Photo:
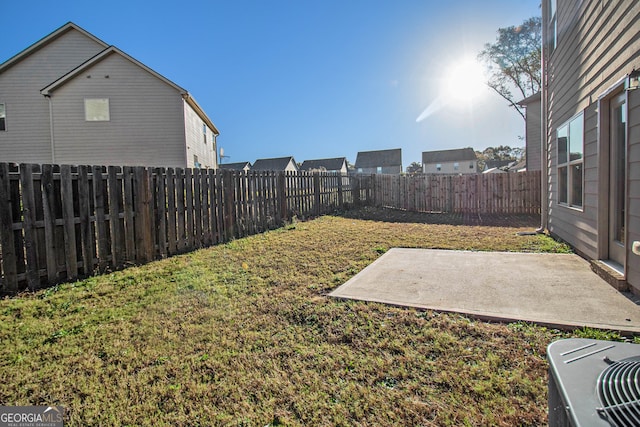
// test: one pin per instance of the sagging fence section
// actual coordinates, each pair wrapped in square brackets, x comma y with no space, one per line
[505,193]
[60,222]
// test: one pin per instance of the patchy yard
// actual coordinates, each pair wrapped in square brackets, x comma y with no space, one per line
[242,334]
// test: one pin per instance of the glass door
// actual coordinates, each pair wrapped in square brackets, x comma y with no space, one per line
[617,178]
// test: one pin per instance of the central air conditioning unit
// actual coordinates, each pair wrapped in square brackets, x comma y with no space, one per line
[593,383]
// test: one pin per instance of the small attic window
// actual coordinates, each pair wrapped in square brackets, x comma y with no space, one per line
[96,109]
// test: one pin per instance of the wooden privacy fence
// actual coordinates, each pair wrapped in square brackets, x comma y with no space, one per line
[506,193]
[59,223]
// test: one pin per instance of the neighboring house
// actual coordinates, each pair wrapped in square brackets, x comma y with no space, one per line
[533,129]
[335,165]
[498,164]
[591,117]
[72,99]
[381,161]
[286,164]
[462,160]
[238,166]
[494,170]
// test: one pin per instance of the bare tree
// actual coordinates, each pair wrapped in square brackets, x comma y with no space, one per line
[514,62]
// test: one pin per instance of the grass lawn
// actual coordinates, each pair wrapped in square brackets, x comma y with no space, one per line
[242,334]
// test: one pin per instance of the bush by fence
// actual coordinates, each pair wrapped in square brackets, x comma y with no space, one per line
[61,222]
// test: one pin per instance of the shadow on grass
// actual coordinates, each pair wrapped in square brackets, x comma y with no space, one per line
[400,216]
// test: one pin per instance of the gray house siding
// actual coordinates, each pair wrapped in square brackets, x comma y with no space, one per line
[380,161]
[598,44]
[146,125]
[457,167]
[27,138]
[533,134]
[198,143]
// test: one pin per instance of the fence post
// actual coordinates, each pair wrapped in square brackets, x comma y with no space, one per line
[229,201]
[49,215]
[355,189]
[144,225]
[316,193]
[282,196]
[6,233]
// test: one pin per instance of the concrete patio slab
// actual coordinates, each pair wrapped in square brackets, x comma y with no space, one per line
[556,290]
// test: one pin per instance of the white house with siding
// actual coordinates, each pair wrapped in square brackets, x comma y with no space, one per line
[72,99]
[457,161]
[591,123]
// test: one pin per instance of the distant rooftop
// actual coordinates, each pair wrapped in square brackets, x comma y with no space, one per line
[442,156]
[275,164]
[328,164]
[372,159]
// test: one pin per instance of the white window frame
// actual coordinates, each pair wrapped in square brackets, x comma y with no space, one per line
[3,116]
[552,25]
[97,110]
[569,165]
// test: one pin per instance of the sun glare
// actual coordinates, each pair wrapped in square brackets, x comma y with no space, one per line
[464,81]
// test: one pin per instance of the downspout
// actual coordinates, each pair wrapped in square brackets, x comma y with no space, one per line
[53,145]
[543,145]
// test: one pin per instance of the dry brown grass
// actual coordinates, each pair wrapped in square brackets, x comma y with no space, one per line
[242,334]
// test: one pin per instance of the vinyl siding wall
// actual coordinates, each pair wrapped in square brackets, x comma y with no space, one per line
[146,126]
[598,45]
[195,140]
[27,138]
[449,167]
[533,136]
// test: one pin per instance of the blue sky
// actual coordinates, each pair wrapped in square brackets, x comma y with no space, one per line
[309,79]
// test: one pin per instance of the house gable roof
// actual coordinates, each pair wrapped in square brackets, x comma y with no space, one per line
[275,164]
[238,166]
[328,164]
[112,50]
[45,41]
[536,97]
[371,159]
[441,156]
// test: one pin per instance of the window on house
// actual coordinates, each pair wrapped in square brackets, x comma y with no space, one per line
[196,163]
[379,169]
[552,26]
[3,117]
[456,166]
[471,165]
[570,137]
[359,170]
[438,167]
[96,109]
[204,132]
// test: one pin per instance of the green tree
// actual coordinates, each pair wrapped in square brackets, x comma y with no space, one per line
[501,152]
[414,168]
[514,62]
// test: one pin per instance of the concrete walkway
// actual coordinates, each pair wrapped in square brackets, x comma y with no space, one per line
[557,290]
